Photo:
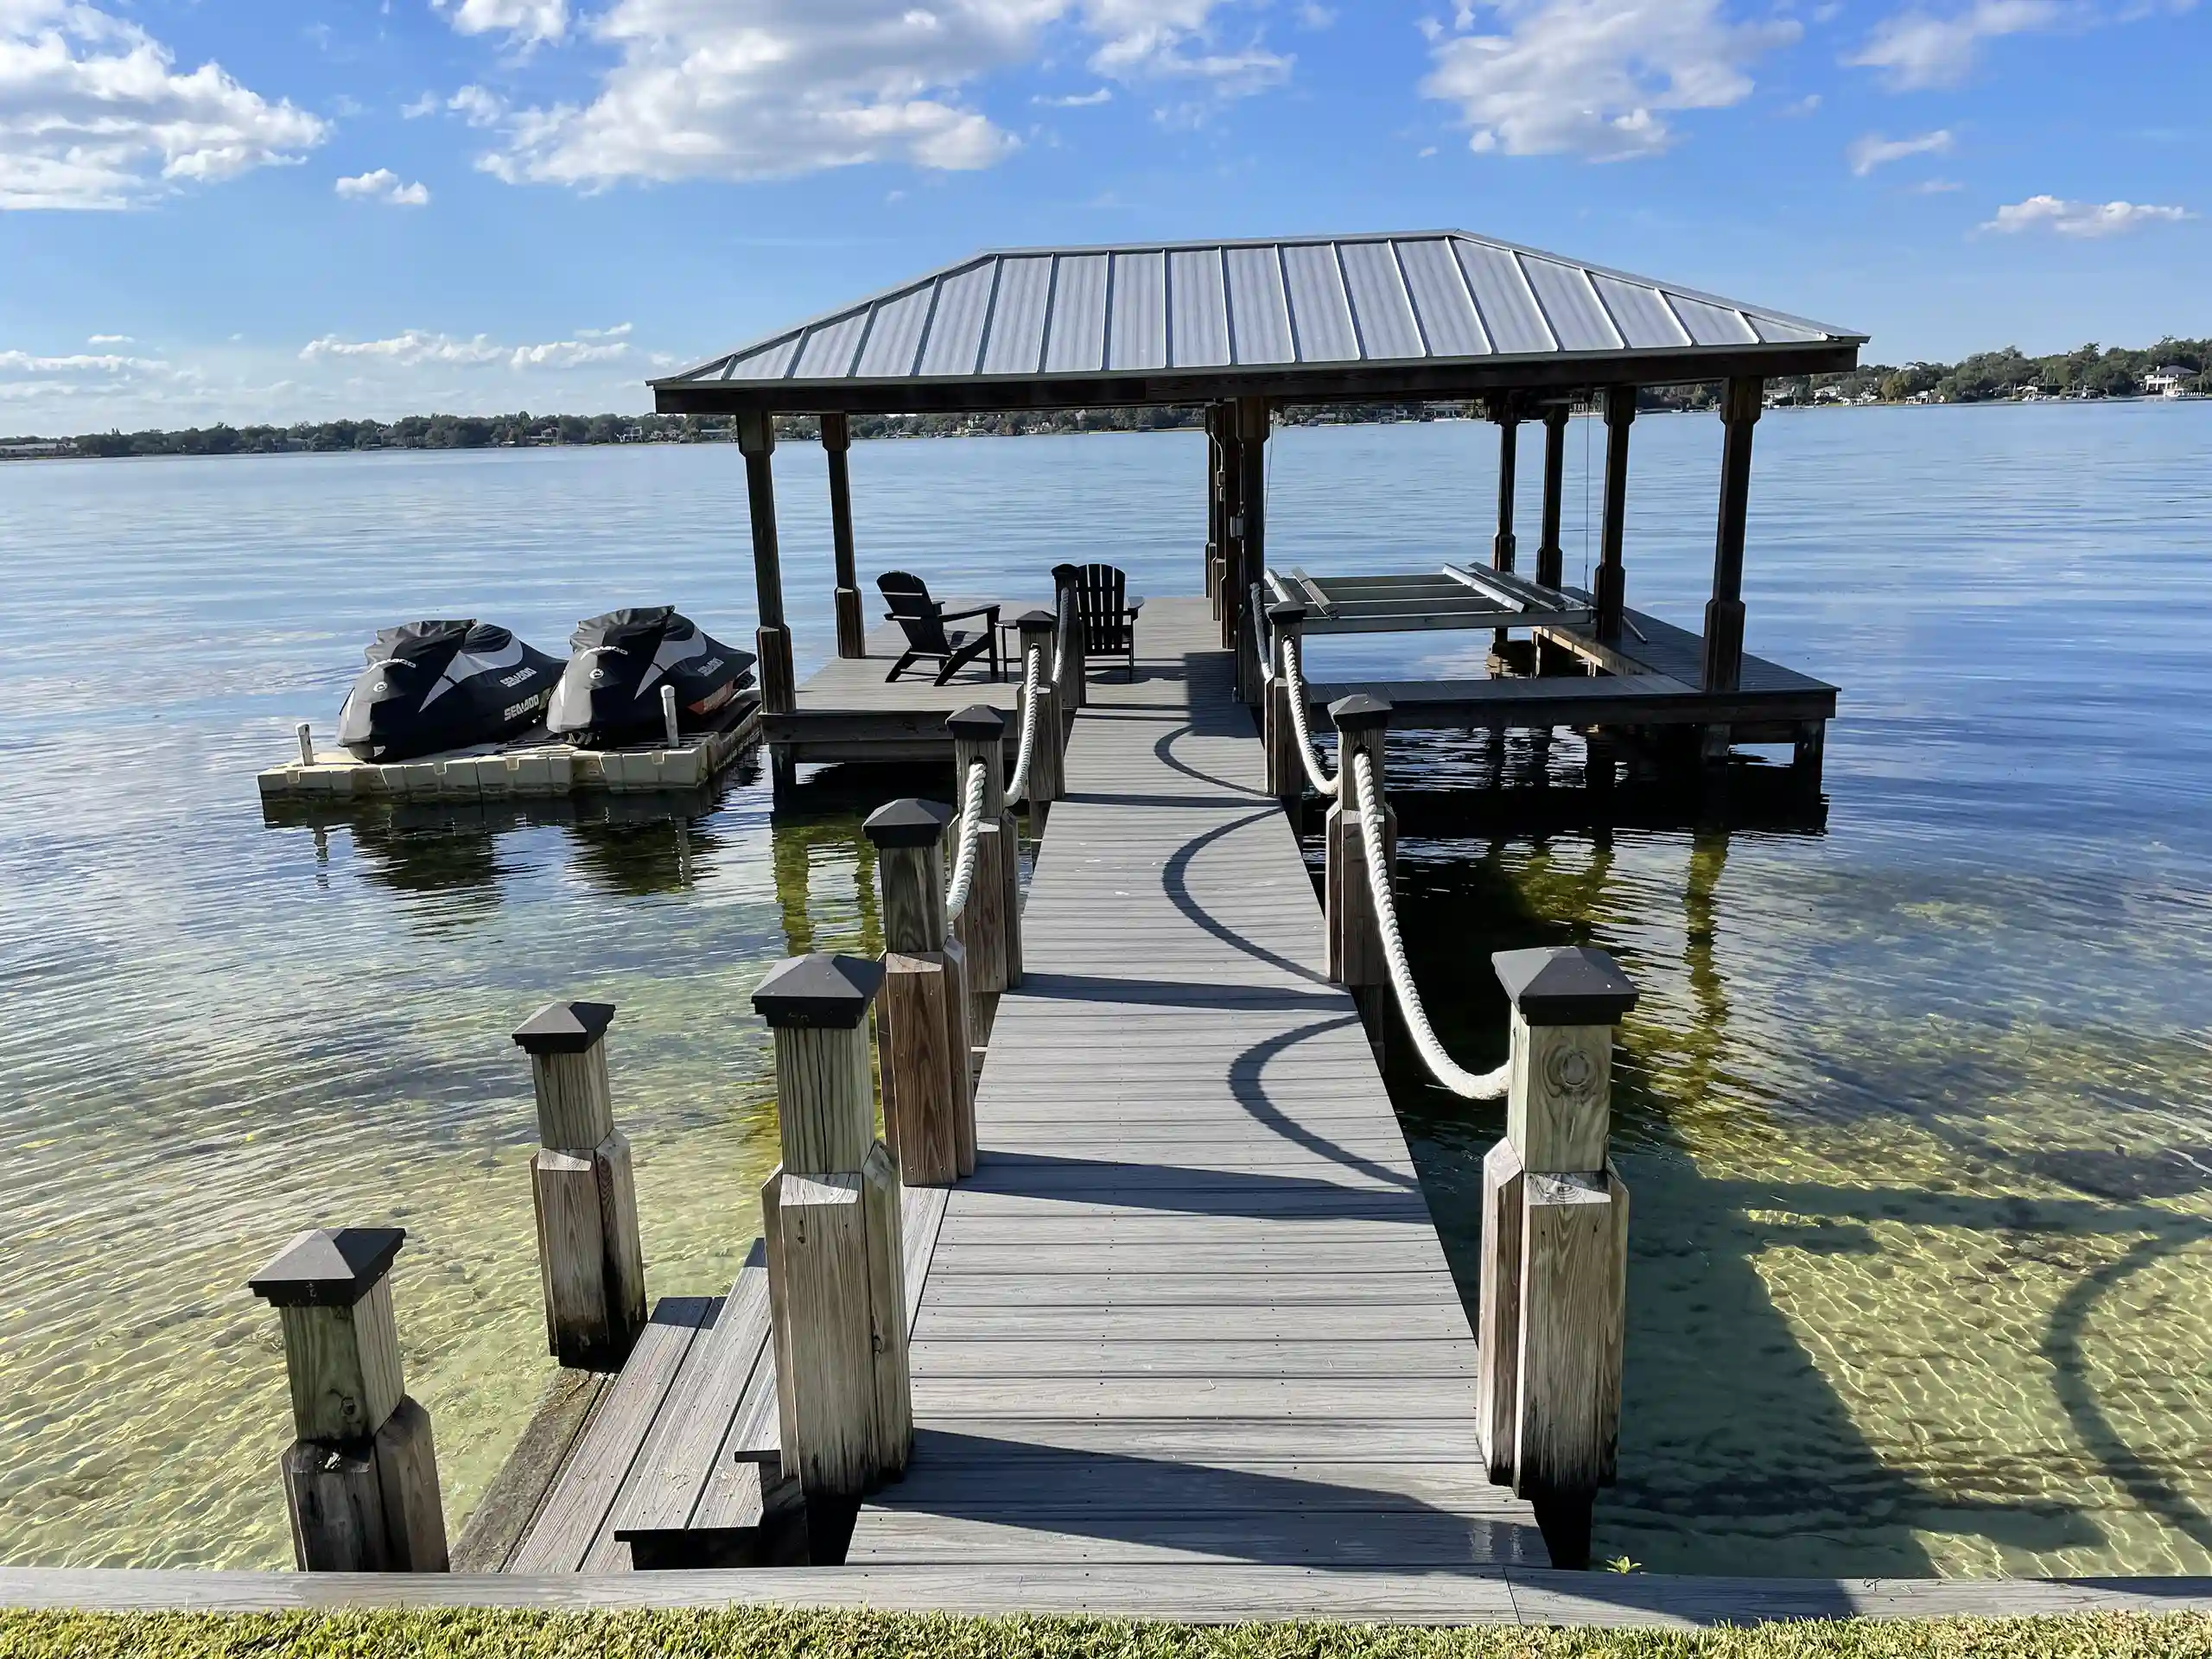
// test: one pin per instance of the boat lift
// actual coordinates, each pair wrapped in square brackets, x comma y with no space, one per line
[1455,596]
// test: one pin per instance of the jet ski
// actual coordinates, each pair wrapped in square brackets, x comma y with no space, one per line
[433,686]
[610,692]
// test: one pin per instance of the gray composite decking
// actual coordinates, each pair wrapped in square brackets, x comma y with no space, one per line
[847,711]
[1191,1312]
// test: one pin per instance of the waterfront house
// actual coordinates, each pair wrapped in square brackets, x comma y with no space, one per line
[2171,381]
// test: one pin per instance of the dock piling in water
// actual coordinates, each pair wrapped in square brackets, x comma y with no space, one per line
[361,1477]
[1555,1247]
[590,1261]
[922,1018]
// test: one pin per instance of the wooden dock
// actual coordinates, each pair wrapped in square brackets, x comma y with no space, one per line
[1191,1312]
[846,711]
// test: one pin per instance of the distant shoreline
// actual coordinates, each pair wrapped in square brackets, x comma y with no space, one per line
[35,449]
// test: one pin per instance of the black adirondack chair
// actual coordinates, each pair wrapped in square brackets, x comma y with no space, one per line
[1105,611]
[928,639]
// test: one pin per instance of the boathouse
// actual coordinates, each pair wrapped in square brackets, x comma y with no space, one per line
[1240,328]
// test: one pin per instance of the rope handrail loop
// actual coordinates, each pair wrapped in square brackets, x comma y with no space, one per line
[1468,1085]
[971,824]
[1017,787]
[1294,675]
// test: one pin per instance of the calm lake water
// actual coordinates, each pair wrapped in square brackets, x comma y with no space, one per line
[1914,1108]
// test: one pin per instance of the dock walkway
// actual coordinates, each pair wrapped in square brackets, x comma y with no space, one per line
[1192,1309]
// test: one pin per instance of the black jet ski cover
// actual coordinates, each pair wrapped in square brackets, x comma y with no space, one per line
[618,663]
[434,686]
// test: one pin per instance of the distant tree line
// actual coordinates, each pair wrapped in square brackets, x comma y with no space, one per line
[2087,371]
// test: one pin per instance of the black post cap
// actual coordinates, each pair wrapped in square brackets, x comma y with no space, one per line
[1565,985]
[818,992]
[329,1267]
[1360,713]
[1036,621]
[1286,610]
[909,823]
[978,722]
[564,1028]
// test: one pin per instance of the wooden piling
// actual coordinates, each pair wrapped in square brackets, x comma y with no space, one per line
[1074,682]
[591,1264]
[1550,559]
[756,439]
[923,1020]
[836,448]
[990,927]
[1356,958]
[1039,629]
[1279,732]
[1611,584]
[832,1213]
[1555,1247]
[361,1479]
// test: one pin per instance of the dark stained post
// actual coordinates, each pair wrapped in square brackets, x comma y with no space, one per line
[1612,578]
[1549,560]
[756,435]
[1724,611]
[1508,419]
[1252,420]
[1232,522]
[1216,519]
[921,1014]
[836,443]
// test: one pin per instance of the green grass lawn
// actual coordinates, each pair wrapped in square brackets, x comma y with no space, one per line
[777,1634]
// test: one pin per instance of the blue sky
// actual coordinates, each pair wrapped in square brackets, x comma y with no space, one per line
[288,209]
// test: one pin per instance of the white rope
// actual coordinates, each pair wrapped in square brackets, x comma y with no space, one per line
[1060,640]
[971,824]
[1489,1085]
[1033,665]
[1295,672]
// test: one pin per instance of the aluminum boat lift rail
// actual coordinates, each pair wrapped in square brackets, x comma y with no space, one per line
[1453,596]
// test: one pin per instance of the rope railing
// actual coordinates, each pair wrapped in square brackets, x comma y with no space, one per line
[971,824]
[1295,676]
[1032,668]
[1468,1085]
[1060,634]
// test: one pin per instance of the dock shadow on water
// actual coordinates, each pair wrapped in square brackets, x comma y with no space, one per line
[1918,1241]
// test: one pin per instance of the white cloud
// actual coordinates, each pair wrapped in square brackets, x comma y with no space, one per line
[2083,218]
[1592,77]
[383,185]
[107,339]
[1873,150]
[94,113]
[81,363]
[780,87]
[1077,100]
[1916,49]
[525,22]
[477,107]
[428,104]
[415,348]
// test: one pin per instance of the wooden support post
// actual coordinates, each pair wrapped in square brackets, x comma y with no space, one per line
[1550,561]
[1356,958]
[589,1258]
[1039,629]
[1286,767]
[1611,594]
[1508,419]
[361,1479]
[1555,1247]
[1724,611]
[1074,682]
[836,448]
[1253,419]
[832,1213]
[922,1020]
[756,437]
[991,925]
[1227,580]
[1216,524]
[1807,755]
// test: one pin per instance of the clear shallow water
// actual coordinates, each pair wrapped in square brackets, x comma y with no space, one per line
[1912,1109]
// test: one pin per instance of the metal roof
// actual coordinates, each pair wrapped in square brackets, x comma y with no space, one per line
[1342,316]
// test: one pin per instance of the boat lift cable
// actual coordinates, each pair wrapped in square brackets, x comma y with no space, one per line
[1295,672]
[1468,1085]
[1032,667]
[971,824]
